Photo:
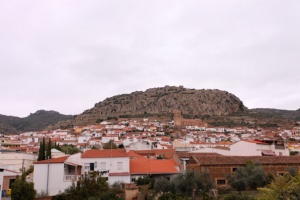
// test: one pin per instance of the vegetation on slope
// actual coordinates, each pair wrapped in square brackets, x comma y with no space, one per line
[34,122]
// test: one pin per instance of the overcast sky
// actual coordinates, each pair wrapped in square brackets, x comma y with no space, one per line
[68,55]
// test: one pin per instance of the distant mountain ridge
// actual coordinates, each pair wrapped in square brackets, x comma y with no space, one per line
[192,103]
[288,114]
[34,122]
[161,101]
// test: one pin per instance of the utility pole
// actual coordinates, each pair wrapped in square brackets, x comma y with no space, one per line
[47,177]
[22,166]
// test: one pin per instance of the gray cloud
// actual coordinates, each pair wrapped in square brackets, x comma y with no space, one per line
[69,55]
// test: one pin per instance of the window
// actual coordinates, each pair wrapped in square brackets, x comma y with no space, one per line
[281,173]
[234,169]
[86,166]
[103,166]
[92,166]
[133,180]
[89,166]
[221,181]
[119,165]
[11,181]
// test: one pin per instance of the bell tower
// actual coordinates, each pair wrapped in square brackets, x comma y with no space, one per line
[177,118]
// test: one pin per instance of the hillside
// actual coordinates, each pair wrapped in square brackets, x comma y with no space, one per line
[288,114]
[6,129]
[161,102]
[34,122]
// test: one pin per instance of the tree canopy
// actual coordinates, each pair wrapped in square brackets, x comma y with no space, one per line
[22,190]
[248,178]
[286,187]
[110,145]
[189,183]
[89,185]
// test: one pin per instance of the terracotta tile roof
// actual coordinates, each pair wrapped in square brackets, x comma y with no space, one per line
[240,160]
[150,166]
[107,153]
[255,141]
[167,153]
[73,164]
[186,154]
[134,155]
[54,160]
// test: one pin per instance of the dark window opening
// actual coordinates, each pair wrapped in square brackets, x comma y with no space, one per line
[92,166]
[11,181]
[221,182]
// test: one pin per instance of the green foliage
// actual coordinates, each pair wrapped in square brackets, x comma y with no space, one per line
[284,187]
[161,184]
[293,153]
[29,170]
[293,171]
[99,120]
[110,118]
[22,190]
[280,188]
[48,150]
[110,145]
[192,181]
[144,180]
[43,193]
[56,146]
[249,177]
[69,149]
[185,184]
[110,195]
[45,151]
[170,196]
[34,122]
[42,149]
[89,185]
[238,196]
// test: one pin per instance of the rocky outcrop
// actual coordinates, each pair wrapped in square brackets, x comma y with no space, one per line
[162,101]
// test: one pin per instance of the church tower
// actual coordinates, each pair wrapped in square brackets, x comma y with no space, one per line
[177,118]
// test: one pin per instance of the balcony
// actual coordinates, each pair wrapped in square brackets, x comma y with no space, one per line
[69,178]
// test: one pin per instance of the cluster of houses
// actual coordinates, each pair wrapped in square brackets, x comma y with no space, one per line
[145,147]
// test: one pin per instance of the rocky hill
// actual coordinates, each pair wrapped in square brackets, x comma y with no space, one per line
[161,102]
[34,122]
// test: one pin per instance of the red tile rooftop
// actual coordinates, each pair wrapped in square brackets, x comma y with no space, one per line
[167,153]
[53,160]
[106,153]
[241,160]
[255,141]
[150,166]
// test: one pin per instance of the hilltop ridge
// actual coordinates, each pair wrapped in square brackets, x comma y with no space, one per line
[216,107]
[34,122]
[161,101]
